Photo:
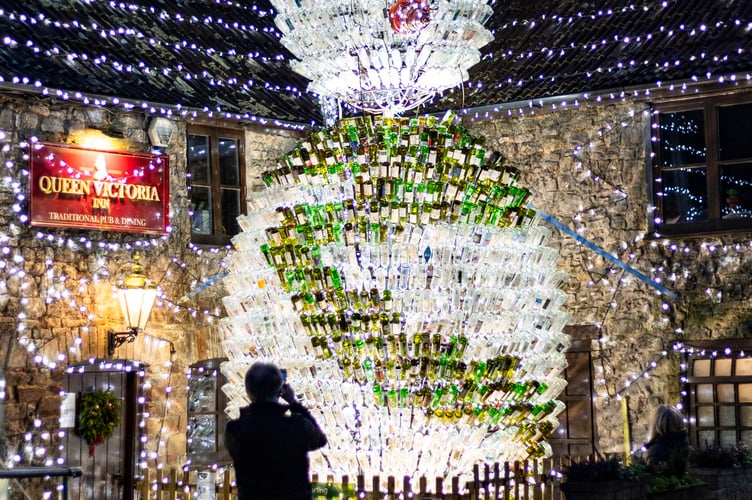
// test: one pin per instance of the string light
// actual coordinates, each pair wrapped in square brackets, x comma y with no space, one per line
[62,289]
[57,286]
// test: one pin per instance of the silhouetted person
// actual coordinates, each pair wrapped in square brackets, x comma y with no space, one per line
[668,435]
[269,443]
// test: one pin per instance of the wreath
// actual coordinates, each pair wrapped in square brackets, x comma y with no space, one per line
[98,418]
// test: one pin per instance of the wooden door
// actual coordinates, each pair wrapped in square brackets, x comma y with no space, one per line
[110,474]
[575,436]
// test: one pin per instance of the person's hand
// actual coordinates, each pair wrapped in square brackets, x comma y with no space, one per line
[287,394]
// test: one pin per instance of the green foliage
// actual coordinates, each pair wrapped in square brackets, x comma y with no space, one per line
[603,470]
[719,457]
[661,483]
[671,474]
[98,417]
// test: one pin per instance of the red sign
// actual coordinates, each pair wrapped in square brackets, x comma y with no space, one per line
[107,190]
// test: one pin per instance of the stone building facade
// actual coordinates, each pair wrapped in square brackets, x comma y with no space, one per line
[57,286]
[587,166]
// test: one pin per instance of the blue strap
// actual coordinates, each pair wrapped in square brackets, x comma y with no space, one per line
[631,270]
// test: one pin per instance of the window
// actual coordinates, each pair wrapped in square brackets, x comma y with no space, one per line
[206,416]
[720,394]
[703,167]
[216,179]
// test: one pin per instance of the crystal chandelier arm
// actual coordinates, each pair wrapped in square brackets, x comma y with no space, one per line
[351,51]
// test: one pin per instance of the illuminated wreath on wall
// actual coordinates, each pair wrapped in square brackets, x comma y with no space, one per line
[98,418]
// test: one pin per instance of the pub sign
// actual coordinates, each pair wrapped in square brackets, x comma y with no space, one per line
[92,189]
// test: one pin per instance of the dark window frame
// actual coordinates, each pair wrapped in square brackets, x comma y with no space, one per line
[737,349]
[208,369]
[710,105]
[218,237]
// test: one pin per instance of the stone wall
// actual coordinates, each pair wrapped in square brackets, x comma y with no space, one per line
[726,484]
[57,298]
[588,168]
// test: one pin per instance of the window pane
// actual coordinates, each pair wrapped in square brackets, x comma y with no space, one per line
[701,368]
[745,393]
[201,206]
[745,416]
[201,395]
[727,416]
[728,439]
[229,164]
[736,191]
[201,434]
[744,366]
[682,138]
[706,438]
[746,437]
[685,195]
[198,159]
[704,393]
[725,393]
[723,367]
[734,133]
[230,211]
[705,416]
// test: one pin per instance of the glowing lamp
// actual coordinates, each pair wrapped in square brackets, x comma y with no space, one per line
[137,295]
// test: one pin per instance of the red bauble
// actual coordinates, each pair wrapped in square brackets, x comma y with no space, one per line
[409,16]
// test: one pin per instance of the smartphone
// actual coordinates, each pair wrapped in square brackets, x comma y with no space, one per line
[284,374]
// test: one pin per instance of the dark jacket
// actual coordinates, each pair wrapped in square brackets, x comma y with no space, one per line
[269,449]
[661,447]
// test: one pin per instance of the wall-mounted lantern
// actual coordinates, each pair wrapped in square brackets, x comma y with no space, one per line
[137,295]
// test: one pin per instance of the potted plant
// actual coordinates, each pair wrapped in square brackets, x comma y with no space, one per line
[726,470]
[607,479]
[671,479]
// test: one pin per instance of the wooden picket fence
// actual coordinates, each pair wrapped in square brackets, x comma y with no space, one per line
[519,480]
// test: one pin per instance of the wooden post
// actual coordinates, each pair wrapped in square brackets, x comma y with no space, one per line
[475,486]
[345,484]
[172,486]
[226,485]
[361,480]
[627,430]
[496,478]
[145,485]
[506,480]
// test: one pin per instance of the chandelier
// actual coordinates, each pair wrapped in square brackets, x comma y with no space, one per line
[383,56]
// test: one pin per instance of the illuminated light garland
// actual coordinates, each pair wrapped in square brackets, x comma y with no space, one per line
[615,40]
[158,13]
[564,104]
[588,17]
[151,15]
[61,288]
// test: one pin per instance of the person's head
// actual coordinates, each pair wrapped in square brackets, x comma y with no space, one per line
[666,420]
[263,382]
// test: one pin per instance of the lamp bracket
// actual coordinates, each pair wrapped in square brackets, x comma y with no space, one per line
[116,339]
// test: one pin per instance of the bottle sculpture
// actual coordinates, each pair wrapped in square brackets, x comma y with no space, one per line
[392,267]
